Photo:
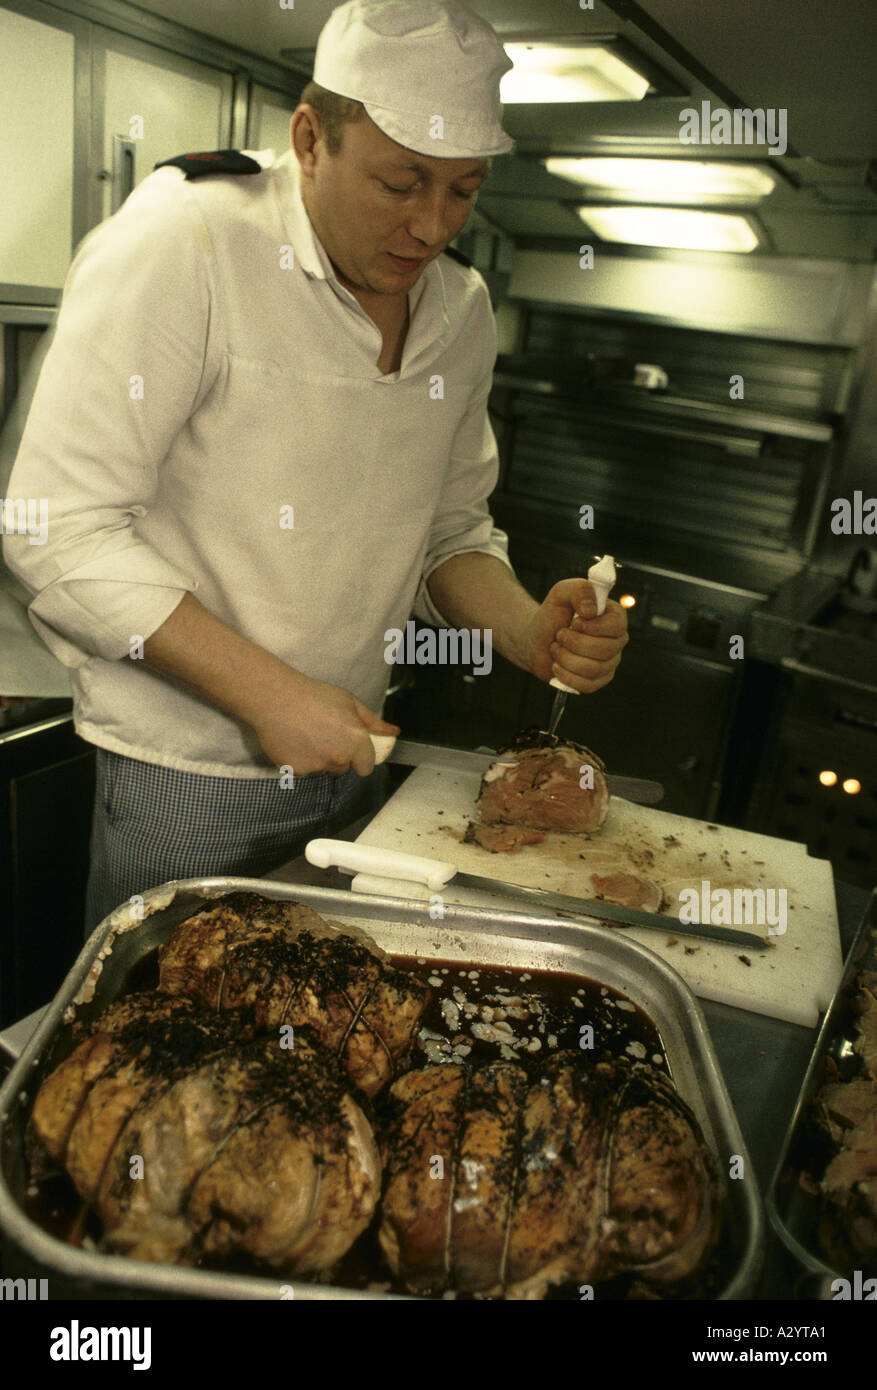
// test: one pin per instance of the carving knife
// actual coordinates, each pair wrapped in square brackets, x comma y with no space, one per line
[602,576]
[411,753]
[373,864]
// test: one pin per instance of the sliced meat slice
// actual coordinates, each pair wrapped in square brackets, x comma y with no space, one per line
[65,1090]
[63,1093]
[420,1163]
[857,1160]
[555,1226]
[628,890]
[866,1027]
[485,1177]
[851,1103]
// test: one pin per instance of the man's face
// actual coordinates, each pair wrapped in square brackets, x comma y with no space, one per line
[381,211]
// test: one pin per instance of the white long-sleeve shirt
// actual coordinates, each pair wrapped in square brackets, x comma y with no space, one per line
[210,418]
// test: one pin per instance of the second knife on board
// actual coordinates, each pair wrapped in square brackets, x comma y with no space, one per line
[437,874]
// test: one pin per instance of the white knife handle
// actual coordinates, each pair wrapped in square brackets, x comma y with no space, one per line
[386,863]
[602,577]
[383,746]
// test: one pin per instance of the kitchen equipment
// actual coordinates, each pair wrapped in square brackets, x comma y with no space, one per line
[411,753]
[373,866]
[823,727]
[794,1213]
[794,980]
[602,576]
[466,934]
[713,503]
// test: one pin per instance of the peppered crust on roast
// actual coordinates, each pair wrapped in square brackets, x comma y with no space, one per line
[565,1174]
[291,967]
[258,1149]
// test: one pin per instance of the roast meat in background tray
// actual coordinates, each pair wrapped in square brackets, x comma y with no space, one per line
[192,1132]
[824,1198]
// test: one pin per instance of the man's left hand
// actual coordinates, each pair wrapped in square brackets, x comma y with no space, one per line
[568,640]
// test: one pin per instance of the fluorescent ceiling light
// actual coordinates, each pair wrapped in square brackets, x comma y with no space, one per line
[568,72]
[682,229]
[667,178]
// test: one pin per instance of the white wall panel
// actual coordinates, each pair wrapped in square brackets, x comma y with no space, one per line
[36,151]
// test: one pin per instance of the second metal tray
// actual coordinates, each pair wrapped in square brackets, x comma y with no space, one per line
[794,1213]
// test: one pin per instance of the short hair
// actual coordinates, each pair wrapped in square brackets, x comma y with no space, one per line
[334,112]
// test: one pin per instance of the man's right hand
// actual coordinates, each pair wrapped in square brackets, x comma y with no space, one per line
[301,723]
[312,726]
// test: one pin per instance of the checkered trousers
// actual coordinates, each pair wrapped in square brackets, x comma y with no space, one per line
[151,824]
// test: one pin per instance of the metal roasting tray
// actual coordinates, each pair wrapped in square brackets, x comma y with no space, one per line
[401,927]
[793,1212]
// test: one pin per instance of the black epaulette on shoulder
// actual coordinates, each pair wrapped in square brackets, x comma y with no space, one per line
[195,166]
[456,255]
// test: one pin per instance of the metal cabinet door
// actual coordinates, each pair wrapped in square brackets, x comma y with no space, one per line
[36,108]
[150,105]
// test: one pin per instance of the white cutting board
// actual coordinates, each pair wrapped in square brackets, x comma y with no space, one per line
[794,980]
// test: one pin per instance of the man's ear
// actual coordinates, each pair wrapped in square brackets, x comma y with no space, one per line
[305,134]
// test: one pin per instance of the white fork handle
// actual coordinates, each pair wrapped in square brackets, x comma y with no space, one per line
[601,593]
[385,863]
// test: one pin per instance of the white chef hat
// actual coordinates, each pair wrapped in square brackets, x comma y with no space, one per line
[426,71]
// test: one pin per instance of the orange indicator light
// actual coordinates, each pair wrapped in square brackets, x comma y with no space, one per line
[627,601]
[851,786]
[828,779]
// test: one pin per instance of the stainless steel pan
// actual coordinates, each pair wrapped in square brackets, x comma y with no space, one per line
[488,937]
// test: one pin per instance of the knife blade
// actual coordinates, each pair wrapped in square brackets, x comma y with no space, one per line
[411,753]
[438,874]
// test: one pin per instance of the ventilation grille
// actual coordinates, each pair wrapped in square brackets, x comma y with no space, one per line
[568,456]
[794,379]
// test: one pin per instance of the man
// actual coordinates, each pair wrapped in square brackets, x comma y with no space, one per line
[270,388]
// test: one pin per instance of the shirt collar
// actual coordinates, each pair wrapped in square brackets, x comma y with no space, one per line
[309,253]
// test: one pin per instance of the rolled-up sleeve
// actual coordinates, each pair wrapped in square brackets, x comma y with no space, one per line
[128,365]
[462,522]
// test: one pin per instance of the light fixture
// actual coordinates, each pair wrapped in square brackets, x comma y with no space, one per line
[667,180]
[828,779]
[682,229]
[627,601]
[852,786]
[552,72]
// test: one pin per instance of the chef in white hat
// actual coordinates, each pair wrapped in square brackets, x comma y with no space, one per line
[394,137]
[261,429]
